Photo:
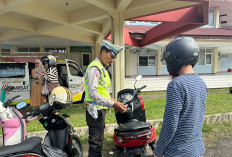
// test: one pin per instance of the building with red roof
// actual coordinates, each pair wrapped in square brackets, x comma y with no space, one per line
[214,39]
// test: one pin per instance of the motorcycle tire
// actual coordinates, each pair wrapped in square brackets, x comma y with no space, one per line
[77,148]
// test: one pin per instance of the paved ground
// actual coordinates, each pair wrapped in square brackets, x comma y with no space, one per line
[223,148]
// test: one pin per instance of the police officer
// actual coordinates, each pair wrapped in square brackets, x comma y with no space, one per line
[181,133]
[97,82]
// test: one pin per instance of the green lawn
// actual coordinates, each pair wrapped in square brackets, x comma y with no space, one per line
[216,103]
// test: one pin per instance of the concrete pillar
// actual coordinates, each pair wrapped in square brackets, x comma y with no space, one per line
[14,49]
[42,49]
[119,63]
[215,60]
[217,20]
[1,51]
[159,63]
[68,53]
[96,50]
[127,62]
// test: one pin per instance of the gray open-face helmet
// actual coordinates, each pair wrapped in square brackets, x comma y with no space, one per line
[50,60]
[179,52]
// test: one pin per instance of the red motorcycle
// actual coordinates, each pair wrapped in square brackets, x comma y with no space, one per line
[134,137]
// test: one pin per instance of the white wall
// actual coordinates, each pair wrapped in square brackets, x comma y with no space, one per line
[159,83]
[133,64]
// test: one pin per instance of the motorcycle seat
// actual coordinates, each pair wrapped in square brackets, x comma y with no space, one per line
[132,126]
[30,145]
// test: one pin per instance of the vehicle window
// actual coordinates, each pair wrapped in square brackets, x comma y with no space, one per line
[73,70]
[62,70]
[11,70]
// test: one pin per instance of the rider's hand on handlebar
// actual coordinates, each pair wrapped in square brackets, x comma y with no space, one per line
[120,107]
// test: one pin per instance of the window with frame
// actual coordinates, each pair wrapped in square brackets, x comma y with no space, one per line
[5,50]
[211,19]
[85,59]
[55,50]
[73,70]
[205,57]
[23,49]
[223,55]
[146,60]
[16,70]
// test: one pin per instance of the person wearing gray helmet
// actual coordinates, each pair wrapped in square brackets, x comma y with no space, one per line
[181,133]
[51,75]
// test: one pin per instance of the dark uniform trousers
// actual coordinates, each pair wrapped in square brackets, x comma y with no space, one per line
[96,133]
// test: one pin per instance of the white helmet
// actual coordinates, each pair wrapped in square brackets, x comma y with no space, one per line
[52,60]
[60,97]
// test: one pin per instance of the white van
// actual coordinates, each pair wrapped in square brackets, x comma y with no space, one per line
[18,75]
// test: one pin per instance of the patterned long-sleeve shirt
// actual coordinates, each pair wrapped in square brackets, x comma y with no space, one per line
[51,75]
[181,133]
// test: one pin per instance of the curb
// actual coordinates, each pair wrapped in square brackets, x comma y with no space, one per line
[83,131]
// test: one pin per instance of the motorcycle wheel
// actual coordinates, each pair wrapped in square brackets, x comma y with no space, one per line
[77,148]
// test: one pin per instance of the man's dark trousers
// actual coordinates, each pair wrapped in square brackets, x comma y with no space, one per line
[96,133]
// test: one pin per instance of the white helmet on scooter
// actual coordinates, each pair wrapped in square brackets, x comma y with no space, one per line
[60,97]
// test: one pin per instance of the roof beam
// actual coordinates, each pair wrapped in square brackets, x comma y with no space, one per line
[138,4]
[12,5]
[106,27]
[164,30]
[187,15]
[69,34]
[44,11]
[46,26]
[107,5]
[154,8]
[121,5]
[17,23]
[2,2]
[91,27]
[87,14]
[12,34]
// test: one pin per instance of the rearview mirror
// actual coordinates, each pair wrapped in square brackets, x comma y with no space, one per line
[21,105]
[139,77]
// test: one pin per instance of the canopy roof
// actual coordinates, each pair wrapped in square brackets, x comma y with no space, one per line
[89,21]
[171,23]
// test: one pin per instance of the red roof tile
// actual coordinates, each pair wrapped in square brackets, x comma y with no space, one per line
[209,32]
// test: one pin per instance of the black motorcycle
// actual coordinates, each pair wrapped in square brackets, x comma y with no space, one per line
[60,132]
[134,137]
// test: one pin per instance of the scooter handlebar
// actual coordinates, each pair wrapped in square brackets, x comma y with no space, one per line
[139,89]
[33,113]
[10,100]
[136,91]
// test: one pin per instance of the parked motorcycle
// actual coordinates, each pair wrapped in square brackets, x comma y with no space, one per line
[134,137]
[13,125]
[60,132]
